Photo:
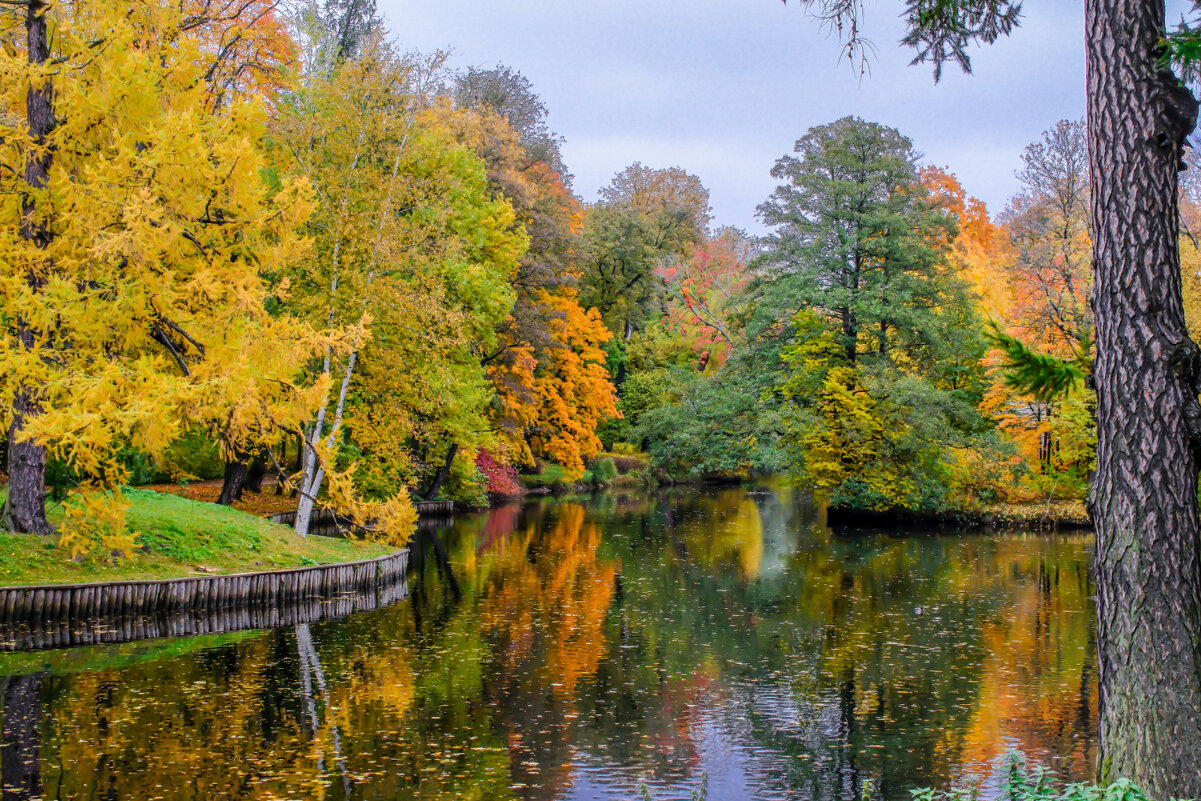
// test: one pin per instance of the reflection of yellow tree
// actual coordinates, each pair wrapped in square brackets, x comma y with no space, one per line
[1014,669]
[729,533]
[1037,685]
[229,725]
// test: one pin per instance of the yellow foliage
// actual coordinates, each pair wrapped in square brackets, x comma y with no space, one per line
[147,298]
[94,524]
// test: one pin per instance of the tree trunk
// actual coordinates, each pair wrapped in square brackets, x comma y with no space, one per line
[1144,499]
[314,472]
[235,479]
[20,738]
[443,472]
[620,378]
[255,476]
[25,509]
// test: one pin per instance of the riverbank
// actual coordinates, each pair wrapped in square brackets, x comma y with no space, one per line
[1037,516]
[178,537]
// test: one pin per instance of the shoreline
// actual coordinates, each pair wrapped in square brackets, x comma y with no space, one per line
[1062,516]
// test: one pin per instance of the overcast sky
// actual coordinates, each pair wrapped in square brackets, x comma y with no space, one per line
[723,88]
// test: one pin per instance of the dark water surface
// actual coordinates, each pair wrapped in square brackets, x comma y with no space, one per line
[587,646]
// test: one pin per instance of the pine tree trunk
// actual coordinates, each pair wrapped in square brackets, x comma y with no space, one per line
[25,509]
[1144,500]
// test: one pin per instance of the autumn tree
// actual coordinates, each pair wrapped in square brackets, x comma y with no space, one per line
[133,252]
[505,91]
[547,368]
[1144,496]
[703,290]
[246,46]
[1048,225]
[646,219]
[413,258]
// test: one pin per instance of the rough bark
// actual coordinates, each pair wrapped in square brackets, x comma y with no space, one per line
[20,763]
[25,509]
[1144,500]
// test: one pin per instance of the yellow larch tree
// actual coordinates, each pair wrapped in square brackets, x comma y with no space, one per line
[135,233]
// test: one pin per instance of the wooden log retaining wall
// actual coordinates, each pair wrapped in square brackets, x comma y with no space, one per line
[52,616]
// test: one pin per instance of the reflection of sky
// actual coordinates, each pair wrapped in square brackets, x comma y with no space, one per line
[778,514]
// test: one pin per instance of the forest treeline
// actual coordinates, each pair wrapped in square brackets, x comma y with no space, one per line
[241,237]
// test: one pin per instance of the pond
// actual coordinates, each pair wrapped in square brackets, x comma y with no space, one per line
[578,648]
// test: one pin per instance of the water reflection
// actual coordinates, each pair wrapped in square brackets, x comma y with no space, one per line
[573,649]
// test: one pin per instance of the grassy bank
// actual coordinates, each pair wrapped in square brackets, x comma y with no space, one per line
[177,537]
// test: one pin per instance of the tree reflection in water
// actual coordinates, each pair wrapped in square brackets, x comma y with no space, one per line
[588,645]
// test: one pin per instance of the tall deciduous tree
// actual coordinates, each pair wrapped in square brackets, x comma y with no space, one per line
[548,368]
[505,91]
[1048,225]
[646,219]
[1147,373]
[413,257]
[134,236]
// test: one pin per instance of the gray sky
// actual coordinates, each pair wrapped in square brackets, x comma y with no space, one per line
[723,88]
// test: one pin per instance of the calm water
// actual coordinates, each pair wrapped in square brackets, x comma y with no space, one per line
[585,647]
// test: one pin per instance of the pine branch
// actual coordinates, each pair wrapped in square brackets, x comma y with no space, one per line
[1045,377]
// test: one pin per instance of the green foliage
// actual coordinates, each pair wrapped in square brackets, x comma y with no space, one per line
[646,218]
[1044,377]
[878,340]
[550,476]
[466,484]
[192,457]
[1024,782]
[726,424]
[940,31]
[604,471]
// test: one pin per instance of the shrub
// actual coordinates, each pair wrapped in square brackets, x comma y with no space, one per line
[500,480]
[549,475]
[192,457]
[1024,782]
[604,471]
[629,464]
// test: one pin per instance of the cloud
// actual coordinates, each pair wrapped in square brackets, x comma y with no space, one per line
[723,88]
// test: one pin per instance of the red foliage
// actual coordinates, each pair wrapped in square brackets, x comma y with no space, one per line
[501,478]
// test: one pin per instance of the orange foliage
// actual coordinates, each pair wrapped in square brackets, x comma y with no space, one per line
[704,286]
[549,373]
[248,43]
[574,389]
[981,249]
[569,586]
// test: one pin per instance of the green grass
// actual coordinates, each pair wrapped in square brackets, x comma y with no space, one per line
[552,476]
[177,537]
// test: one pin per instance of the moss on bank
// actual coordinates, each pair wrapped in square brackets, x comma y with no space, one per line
[177,537]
